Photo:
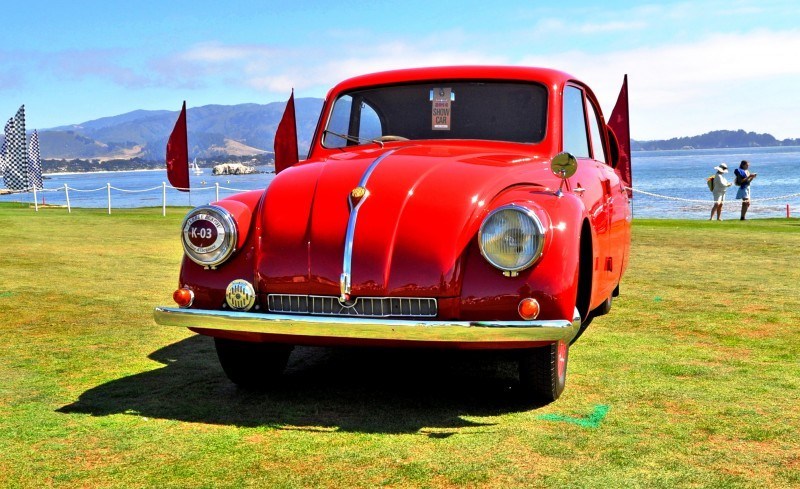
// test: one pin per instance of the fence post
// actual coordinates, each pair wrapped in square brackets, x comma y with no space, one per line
[163,199]
[216,184]
[787,211]
[108,188]
[66,193]
[36,201]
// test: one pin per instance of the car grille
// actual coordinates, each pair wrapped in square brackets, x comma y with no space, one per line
[371,307]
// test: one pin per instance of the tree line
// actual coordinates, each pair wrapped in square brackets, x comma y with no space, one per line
[715,140]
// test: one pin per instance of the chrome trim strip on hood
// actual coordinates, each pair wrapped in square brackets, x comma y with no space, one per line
[345,277]
[303,326]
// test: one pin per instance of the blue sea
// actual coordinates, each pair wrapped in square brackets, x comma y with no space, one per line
[140,188]
[676,177]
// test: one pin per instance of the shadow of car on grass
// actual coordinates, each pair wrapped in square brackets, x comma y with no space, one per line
[349,389]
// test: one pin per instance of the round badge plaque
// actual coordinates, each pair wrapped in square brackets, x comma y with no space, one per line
[204,233]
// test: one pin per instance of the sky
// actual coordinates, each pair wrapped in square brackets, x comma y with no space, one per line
[692,67]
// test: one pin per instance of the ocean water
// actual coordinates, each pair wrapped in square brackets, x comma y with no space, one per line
[142,188]
[677,177]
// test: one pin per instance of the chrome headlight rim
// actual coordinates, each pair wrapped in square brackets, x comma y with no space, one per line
[540,229]
[222,248]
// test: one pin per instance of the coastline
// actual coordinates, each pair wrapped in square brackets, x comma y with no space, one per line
[102,171]
[706,151]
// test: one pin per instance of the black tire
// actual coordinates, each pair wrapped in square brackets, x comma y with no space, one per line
[543,372]
[252,365]
[603,308]
[600,310]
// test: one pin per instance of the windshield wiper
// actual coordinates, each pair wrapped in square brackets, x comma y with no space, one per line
[353,139]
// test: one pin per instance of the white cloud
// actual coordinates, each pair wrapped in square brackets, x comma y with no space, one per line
[606,27]
[696,87]
[220,53]
[275,84]
[721,81]
[267,68]
[551,26]
[396,56]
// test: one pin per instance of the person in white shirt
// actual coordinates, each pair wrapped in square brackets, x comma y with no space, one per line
[721,185]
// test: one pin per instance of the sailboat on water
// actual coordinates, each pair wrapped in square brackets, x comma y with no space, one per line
[196,169]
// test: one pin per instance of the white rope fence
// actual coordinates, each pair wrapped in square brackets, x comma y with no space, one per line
[108,188]
[217,187]
[708,201]
[699,201]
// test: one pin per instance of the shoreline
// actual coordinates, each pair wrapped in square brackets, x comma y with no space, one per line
[747,149]
[102,171]
[50,174]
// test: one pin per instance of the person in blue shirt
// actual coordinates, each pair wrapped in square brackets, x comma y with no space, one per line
[743,180]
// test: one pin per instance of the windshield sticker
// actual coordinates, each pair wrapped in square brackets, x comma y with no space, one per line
[441,109]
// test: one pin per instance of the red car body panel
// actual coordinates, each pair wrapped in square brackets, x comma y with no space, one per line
[416,233]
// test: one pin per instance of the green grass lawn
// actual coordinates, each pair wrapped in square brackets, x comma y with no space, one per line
[693,380]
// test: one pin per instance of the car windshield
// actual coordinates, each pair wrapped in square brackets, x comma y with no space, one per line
[497,111]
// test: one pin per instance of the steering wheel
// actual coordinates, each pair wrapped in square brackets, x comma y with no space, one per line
[390,137]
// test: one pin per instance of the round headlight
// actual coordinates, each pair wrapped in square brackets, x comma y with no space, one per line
[209,235]
[511,238]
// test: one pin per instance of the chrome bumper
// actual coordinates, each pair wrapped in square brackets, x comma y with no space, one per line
[350,328]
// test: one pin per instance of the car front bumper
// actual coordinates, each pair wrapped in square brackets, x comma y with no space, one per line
[353,329]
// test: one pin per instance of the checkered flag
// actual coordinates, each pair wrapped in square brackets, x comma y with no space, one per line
[3,156]
[4,148]
[16,160]
[34,162]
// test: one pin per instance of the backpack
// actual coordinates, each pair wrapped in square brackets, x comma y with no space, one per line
[739,177]
[710,183]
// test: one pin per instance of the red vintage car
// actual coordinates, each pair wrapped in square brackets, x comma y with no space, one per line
[453,207]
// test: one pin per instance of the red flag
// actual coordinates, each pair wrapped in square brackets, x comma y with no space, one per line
[285,144]
[619,122]
[178,154]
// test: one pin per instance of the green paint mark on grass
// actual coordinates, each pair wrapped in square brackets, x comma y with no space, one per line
[6,294]
[591,421]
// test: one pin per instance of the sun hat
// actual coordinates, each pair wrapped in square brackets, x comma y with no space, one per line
[722,168]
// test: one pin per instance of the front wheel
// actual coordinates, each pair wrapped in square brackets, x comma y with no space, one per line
[252,365]
[543,372]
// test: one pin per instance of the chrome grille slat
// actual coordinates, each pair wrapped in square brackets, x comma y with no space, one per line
[373,307]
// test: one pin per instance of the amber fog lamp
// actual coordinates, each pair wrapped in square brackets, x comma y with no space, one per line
[183,297]
[209,235]
[528,309]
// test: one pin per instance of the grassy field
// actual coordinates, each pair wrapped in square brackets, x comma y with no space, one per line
[693,380]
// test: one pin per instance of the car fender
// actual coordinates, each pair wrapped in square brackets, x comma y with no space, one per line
[552,280]
[209,284]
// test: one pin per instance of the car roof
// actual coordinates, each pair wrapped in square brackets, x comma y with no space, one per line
[546,76]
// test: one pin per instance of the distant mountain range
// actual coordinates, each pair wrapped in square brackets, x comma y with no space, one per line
[217,131]
[213,130]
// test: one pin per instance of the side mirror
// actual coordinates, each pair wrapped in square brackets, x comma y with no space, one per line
[613,146]
[563,165]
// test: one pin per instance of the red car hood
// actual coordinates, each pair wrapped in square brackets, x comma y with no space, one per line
[425,203]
